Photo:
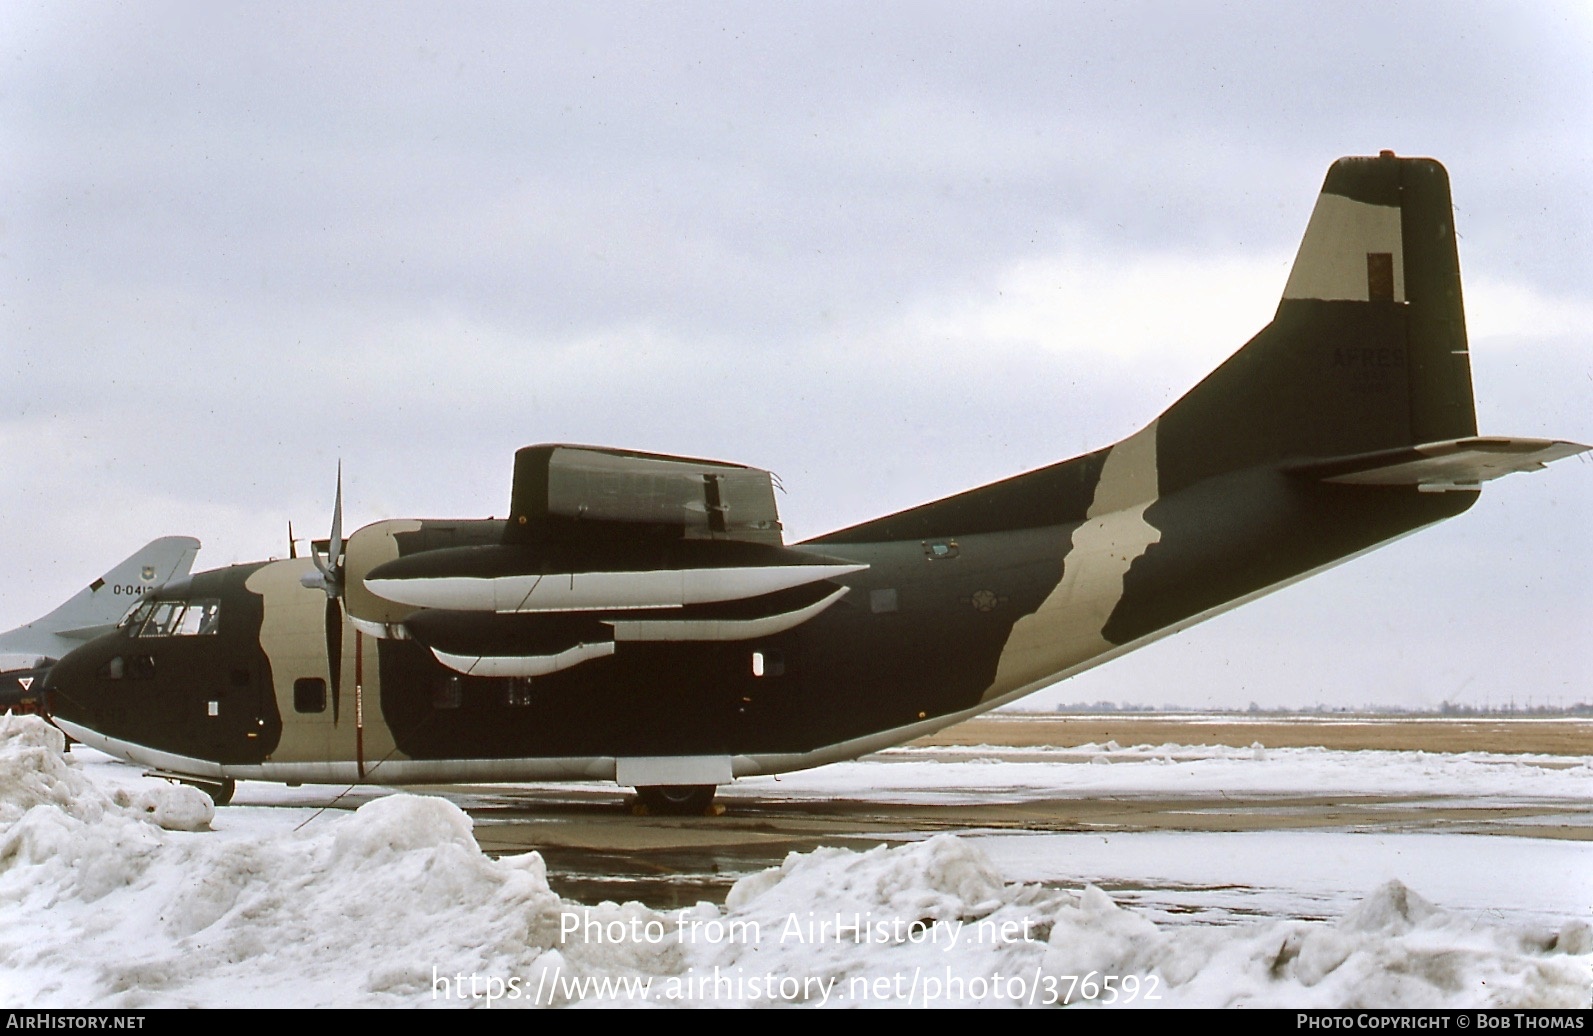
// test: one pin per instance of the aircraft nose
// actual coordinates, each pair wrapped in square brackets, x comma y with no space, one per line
[68,694]
[47,692]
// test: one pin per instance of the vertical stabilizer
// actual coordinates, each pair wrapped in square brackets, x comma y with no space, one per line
[1367,350]
[101,604]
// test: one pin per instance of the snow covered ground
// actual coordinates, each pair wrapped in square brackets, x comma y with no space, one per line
[118,891]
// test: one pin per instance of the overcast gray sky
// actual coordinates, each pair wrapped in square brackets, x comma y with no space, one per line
[888,251]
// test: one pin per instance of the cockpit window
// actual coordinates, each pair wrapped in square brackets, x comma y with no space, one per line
[196,618]
[134,619]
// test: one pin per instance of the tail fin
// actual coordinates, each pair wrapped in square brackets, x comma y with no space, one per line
[1363,377]
[1367,352]
[97,607]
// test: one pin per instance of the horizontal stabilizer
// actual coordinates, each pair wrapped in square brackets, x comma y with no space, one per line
[1435,467]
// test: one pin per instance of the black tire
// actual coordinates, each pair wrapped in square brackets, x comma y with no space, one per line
[220,794]
[677,800]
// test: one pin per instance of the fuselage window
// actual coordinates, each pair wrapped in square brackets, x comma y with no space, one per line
[517,690]
[940,550]
[309,694]
[447,693]
[197,618]
[133,667]
[768,663]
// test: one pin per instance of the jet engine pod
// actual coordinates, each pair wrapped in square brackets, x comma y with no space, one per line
[487,644]
[611,575]
[536,644]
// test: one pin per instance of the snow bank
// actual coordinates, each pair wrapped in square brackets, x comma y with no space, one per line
[1392,950]
[102,904]
[35,771]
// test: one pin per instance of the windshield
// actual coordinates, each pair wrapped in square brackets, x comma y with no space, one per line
[196,618]
[136,616]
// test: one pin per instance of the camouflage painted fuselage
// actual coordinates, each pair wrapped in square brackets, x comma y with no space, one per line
[919,641]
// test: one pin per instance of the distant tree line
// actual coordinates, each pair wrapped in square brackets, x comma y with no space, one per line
[1448,708]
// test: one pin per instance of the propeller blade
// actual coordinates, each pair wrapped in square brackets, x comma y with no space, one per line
[331,568]
[334,653]
[293,549]
[331,564]
[336,546]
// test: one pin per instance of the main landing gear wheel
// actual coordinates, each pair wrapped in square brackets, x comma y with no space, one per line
[220,793]
[676,800]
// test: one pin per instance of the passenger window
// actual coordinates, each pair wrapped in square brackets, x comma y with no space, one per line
[940,550]
[768,663]
[309,694]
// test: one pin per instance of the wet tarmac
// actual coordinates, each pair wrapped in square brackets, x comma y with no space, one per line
[597,847]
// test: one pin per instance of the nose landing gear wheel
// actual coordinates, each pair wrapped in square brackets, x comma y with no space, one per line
[676,800]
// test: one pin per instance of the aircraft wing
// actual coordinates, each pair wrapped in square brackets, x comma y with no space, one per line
[601,547]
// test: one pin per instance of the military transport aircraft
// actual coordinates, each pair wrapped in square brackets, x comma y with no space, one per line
[28,652]
[639,618]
